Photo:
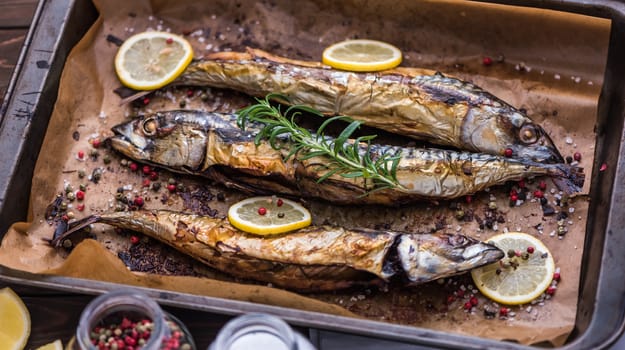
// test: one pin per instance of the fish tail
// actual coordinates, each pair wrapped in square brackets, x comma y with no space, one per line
[75,226]
[568,179]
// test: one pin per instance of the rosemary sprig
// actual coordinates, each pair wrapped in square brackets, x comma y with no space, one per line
[345,155]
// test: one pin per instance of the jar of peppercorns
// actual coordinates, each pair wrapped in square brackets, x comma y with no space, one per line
[129,320]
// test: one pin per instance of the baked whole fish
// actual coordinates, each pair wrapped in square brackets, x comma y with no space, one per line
[212,145]
[413,102]
[315,258]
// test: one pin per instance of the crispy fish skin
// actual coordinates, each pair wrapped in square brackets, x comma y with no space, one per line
[413,102]
[312,259]
[212,145]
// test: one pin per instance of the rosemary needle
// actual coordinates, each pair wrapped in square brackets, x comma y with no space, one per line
[350,158]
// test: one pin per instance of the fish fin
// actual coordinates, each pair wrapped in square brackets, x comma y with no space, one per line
[571,180]
[256,53]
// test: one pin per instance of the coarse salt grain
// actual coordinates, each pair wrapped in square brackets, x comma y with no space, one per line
[556,76]
[568,140]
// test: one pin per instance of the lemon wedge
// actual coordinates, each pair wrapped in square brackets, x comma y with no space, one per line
[55,345]
[362,55]
[151,60]
[15,321]
[268,215]
[522,275]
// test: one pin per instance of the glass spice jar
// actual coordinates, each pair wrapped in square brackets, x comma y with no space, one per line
[129,320]
[259,331]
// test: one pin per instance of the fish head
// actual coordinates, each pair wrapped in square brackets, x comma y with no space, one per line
[426,257]
[495,128]
[166,139]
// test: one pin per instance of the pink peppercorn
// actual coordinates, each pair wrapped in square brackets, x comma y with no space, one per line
[80,195]
[171,188]
[81,154]
[450,299]
[468,199]
[530,249]
[80,207]
[460,293]
[139,201]
[521,183]
[538,194]
[153,175]
[169,40]
[133,167]
[542,185]
[514,198]
[134,240]
[146,100]
[146,169]
[556,276]
[130,340]
[507,152]
[577,156]
[96,143]
[262,211]
[279,202]
[487,61]
[146,183]
[473,301]
[551,290]
[503,311]
[468,305]
[189,93]
[603,167]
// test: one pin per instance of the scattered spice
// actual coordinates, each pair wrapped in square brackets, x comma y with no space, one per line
[80,207]
[262,211]
[81,154]
[80,195]
[96,143]
[538,194]
[507,152]
[146,170]
[133,166]
[530,250]
[139,201]
[487,61]
[171,188]
[134,239]
[503,311]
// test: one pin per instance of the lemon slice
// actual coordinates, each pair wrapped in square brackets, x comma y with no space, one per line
[268,215]
[55,345]
[151,60]
[516,279]
[15,320]
[362,55]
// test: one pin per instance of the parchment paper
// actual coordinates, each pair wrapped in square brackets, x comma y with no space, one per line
[549,63]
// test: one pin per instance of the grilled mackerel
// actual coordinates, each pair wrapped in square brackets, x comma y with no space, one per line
[213,146]
[417,103]
[311,259]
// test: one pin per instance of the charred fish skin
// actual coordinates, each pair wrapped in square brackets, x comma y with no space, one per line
[213,146]
[316,258]
[418,103]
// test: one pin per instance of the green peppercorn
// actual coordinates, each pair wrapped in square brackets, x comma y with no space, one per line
[562,231]
[119,196]
[525,255]
[182,103]
[171,181]
[82,187]
[492,205]
[511,253]
[70,196]
[180,187]
[69,188]
[460,214]
[63,206]
[81,174]
[106,159]
[70,215]
[120,207]
[67,243]
[204,97]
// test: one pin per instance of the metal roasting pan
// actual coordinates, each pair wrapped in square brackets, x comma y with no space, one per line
[58,26]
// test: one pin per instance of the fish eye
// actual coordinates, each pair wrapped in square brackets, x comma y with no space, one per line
[528,134]
[457,240]
[150,126]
